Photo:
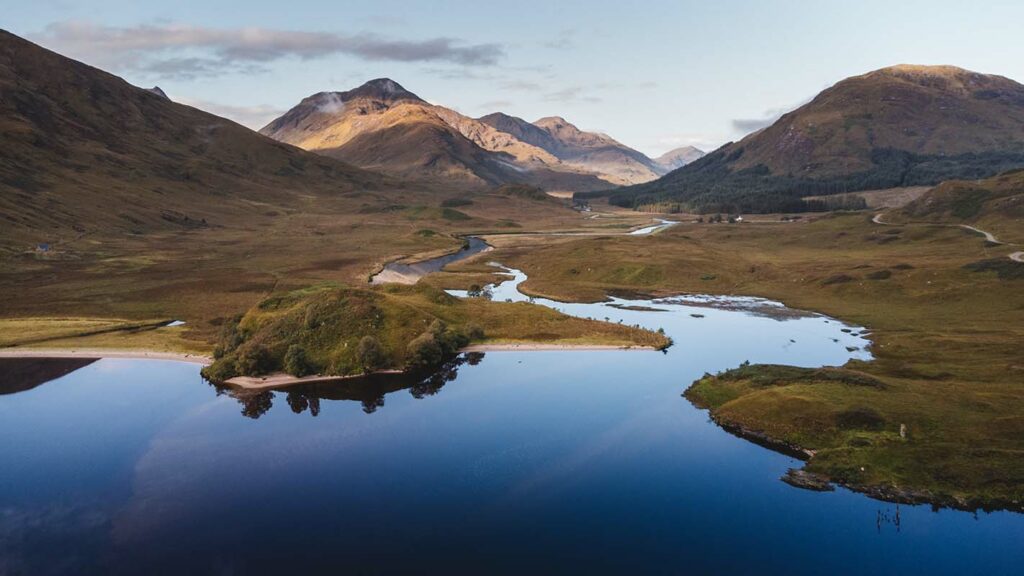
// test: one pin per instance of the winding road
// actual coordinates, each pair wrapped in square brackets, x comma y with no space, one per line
[1016,256]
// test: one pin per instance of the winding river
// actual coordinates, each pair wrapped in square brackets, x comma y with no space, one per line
[505,462]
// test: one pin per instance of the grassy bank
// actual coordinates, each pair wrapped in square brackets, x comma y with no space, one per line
[946,332]
[341,331]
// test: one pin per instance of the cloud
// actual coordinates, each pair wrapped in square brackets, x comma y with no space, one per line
[254,117]
[571,94]
[459,73]
[522,85]
[496,105]
[186,50]
[706,142]
[748,125]
[191,68]
[564,41]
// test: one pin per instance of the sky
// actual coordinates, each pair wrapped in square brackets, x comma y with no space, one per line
[654,75]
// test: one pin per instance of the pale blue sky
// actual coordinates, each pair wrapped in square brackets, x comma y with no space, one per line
[654,75]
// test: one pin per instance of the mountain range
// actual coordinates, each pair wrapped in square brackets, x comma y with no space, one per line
[83,149]
[382,126]
[899,126]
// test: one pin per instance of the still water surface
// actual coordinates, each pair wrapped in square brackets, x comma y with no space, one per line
[509,462]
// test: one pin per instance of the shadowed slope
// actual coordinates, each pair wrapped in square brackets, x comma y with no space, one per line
[84,152]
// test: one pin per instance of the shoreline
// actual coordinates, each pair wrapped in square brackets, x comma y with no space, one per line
[527,347]
[100,353]
[803,479]
[282,380]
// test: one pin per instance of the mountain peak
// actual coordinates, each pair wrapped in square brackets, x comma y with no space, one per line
[384,89]
[679,157]
[156,90]
[940,77]
[923,70]
[553,122]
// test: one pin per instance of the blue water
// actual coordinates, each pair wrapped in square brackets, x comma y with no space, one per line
[516,462]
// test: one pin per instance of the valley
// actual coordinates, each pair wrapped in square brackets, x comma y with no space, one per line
[506,331]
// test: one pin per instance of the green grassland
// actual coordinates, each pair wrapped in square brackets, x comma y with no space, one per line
[947,341]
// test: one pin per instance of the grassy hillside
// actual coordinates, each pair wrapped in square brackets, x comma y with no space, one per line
[995,204]
[899,126]
[87,154]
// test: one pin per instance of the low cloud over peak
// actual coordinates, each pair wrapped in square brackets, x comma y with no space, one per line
[189,51]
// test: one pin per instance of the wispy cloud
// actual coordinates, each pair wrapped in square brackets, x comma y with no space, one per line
[521,85]
[770,116]
[496,105]
[254,117]
[187,50]
[564,41]
[571,94]
[706,142]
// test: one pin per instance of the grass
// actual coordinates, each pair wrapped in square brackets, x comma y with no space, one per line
[207,275]
[946,339]
[327,325]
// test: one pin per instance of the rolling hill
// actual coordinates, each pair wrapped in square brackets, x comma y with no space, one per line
[899,126]
[86,153]
[995,204]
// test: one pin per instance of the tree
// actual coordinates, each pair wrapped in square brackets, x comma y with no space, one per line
[370,354]
[296,363]
[424,351]
[253,360]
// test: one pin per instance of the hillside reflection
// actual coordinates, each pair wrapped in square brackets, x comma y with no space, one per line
[369,391]
[24,374]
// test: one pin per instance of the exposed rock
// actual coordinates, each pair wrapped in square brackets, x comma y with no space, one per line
[801,478]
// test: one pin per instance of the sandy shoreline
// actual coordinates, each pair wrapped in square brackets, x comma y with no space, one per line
[274,381]
[281,380]
[543,347]
[102,353]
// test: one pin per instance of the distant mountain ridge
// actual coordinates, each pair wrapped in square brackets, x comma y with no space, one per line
[898,126]
[382,126]
[679,157]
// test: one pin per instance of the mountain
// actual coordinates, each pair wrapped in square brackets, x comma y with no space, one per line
[85,152]
[589,151]
[382,126]
[899,126]
[522,130]
[679,157]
